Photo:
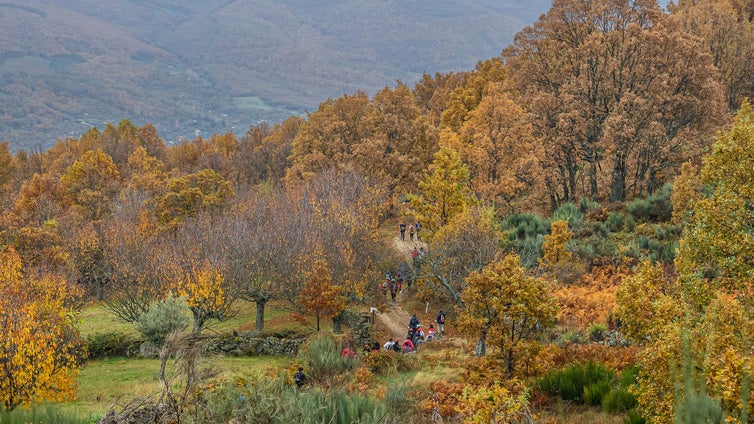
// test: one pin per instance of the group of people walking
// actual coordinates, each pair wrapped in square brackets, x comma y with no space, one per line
[413,229]
[416,335]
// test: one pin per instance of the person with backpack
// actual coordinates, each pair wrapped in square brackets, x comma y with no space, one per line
[408,345]
[389,345]
[403,231]
[300,377]
[413,322]
[441,322]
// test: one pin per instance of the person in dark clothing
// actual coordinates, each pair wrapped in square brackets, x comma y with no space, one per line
[413,322]
[300,378]
[441,322]
[403,231]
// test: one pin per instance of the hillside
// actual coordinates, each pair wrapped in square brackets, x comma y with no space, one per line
[194,68]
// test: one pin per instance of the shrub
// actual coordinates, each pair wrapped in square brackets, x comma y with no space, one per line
[615,221]
[110,344]
[569,212]
[654,208]
[630,224]
[525,236]
[323,358]
[597,332]
[570,382]
[162,319]
[384,363]
[586,205]
[634,417]
[594,393]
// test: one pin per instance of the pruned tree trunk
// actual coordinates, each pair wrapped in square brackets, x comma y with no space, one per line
[260,313]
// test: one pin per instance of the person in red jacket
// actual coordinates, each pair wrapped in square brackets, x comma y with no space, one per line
[408,345]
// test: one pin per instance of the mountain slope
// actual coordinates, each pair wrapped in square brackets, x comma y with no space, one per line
[197,67]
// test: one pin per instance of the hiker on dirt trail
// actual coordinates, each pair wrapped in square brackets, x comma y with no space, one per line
[441,322]
[418,228]
[413,322]
[411,231]
[389,345]
[376,346]
[418,336]
[396,347]
[431,333]
[300,377]
[408,345]
[393,291]
[384,288]
[403,231]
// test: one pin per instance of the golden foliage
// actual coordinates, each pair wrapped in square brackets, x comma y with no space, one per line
[39,348]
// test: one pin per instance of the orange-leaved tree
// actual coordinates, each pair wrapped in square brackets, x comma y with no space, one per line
[319,296]
[40,344]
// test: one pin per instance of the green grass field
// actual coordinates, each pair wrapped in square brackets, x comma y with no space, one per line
[108,382]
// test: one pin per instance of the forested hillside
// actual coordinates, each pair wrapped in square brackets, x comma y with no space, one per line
[218,66]
[585,209]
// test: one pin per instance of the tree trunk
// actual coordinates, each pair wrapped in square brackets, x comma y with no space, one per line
[481,348]
[260,313]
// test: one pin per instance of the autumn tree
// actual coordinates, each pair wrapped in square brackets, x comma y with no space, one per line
[506,308]
[467,244]
[710,302]
[320,297]
[92,182]
[39,353]
[497,144]
[727,31]
[327,139]
[191,194]
[206,292]
[443,191]
[620,97]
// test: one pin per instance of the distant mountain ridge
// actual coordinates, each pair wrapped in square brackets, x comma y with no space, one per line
[197,67]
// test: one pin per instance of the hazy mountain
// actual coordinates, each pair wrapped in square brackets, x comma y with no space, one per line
[197,67]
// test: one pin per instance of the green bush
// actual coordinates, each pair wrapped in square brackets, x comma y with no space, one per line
[634,417]
[654,208]
[615,221]
[323,358]
[586,205]
[110,344]
[630,225]
[620,399]
[569,383]
[597,332]
[571,337]
[162,319]
[569,212]
[594,393]
[525,236]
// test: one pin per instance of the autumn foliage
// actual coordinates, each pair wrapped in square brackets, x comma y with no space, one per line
[40,348]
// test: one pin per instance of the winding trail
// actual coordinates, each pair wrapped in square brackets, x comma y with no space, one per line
[393,318]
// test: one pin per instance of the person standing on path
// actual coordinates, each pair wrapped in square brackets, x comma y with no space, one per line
[403,231]
[418,228]
[411,231]
[441,322]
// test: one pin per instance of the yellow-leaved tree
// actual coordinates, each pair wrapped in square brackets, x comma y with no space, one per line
[205,289]
[40,343]
[697,329]
[506,307]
